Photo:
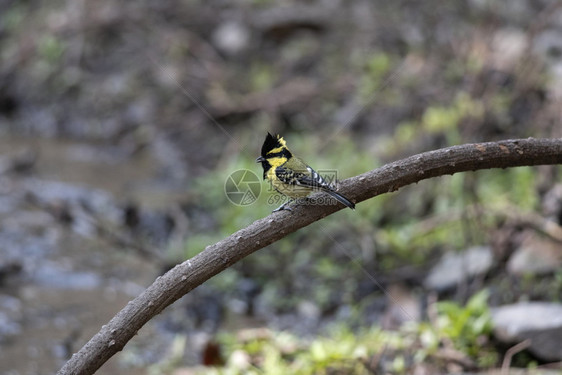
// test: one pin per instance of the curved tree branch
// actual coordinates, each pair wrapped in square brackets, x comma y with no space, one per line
[215,258]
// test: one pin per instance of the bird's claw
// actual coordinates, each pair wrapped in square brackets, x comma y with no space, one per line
[283,207]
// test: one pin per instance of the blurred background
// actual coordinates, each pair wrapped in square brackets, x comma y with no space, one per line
[121,122]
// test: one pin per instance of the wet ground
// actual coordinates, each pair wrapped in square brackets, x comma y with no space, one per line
[61,275]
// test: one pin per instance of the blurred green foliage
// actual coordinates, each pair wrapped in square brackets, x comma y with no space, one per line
[51,49]
[441,119]
[467,328]
[513,186]
[262,77]
[376,66]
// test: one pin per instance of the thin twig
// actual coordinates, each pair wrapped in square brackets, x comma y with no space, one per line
[511,352]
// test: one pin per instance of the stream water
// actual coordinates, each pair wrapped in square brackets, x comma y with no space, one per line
[61,275]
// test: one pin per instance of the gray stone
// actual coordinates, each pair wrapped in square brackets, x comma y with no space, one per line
[541,322]
[536,255]
[508,46]
[231,37]
[454,268]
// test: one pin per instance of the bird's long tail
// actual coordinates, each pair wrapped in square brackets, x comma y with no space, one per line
[340,198]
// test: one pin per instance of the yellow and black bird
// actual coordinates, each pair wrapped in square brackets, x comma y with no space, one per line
[291,176]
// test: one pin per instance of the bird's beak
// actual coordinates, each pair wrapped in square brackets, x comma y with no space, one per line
[260,159]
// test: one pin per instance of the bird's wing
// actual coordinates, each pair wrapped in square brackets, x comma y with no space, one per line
[306,178]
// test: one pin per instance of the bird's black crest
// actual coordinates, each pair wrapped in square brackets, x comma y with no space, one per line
[270,143]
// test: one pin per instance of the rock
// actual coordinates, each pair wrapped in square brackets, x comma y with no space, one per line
[232,37]
[541,322]
[10,318]
[53,275]
[508,45]
[536,255]
[309,311]
[454,268]
[548,44]
[72,204]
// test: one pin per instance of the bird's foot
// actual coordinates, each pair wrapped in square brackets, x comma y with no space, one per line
[283,207]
